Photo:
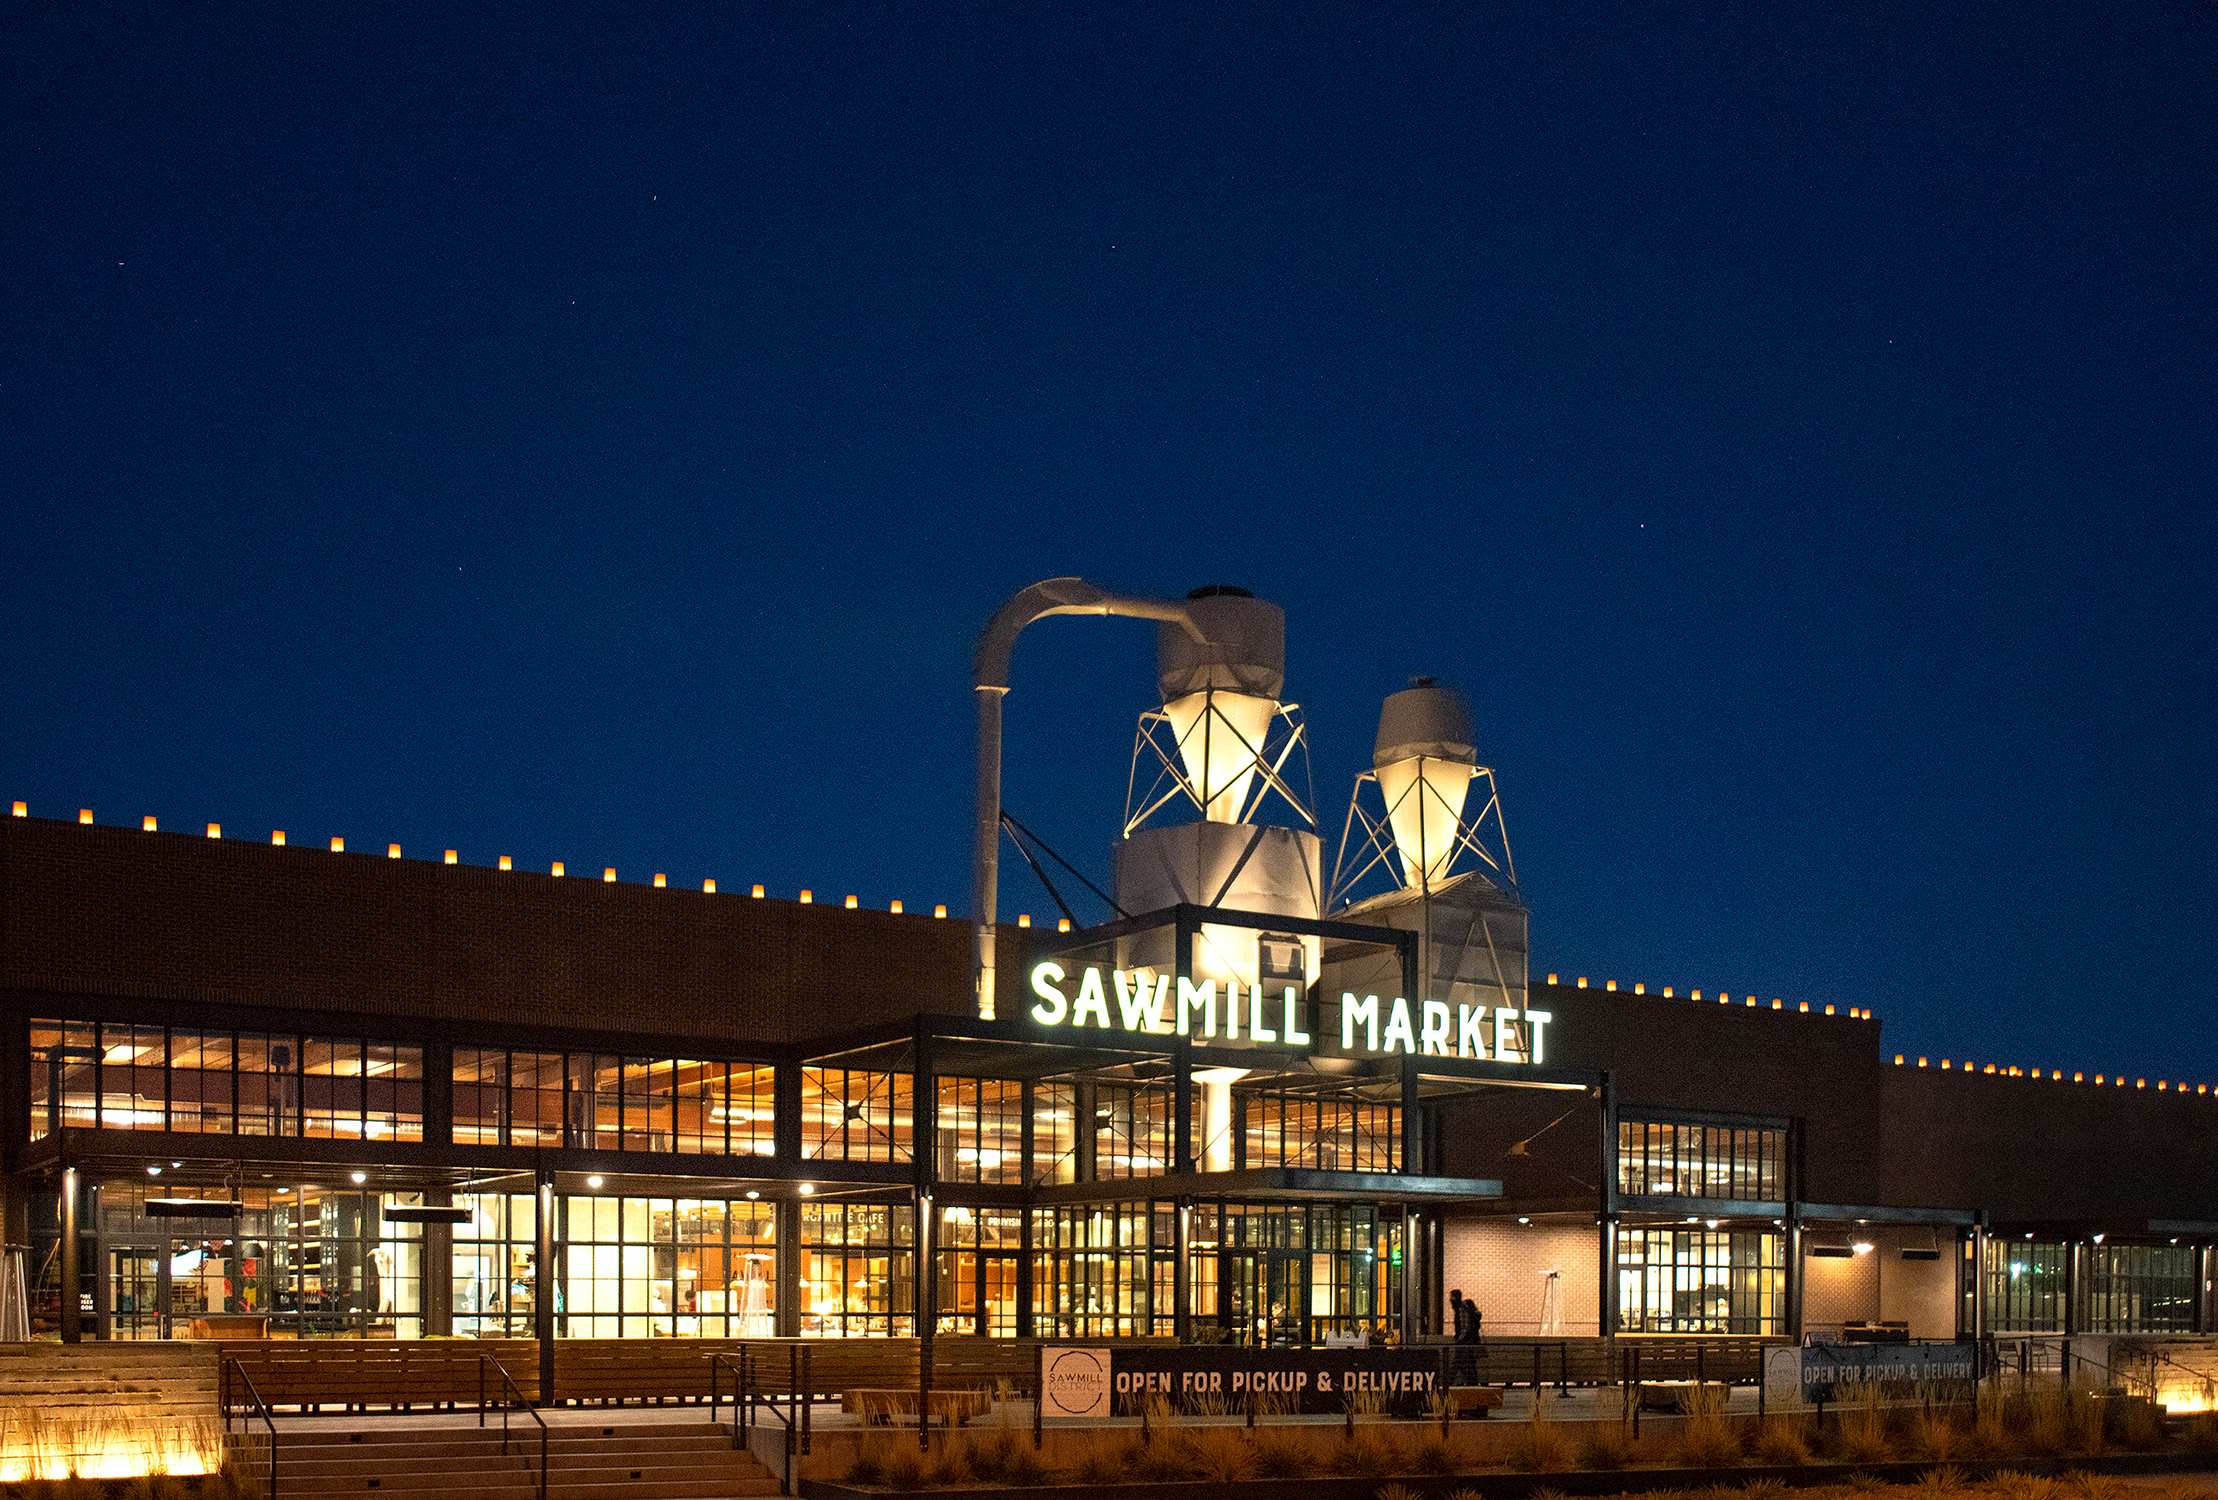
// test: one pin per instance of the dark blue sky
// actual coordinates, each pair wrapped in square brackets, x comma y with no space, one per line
[597,434]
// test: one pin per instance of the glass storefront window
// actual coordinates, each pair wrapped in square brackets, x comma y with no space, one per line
[665,1268]
[78,1078]
[858,1269]
[312,1261]
[856,1116]
[495,1254]
[689,1106]
[1675,1280]
[2141,1289]
[1331,1133]
[976,1270]
[199,1082]
[2025,1286]
[1699,1161]
[981,1130]
[1097,1271]
[1132,1130]
[1054,1132]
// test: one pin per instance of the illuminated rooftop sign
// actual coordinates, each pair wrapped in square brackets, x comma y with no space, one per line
[1145,1002]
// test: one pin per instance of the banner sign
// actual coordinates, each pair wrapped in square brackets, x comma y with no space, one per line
[1096,1382]
[1818,1373]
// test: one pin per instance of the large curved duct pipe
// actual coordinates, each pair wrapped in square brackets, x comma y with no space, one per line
[989,675]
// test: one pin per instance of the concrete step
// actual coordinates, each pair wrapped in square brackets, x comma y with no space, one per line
[639,1461]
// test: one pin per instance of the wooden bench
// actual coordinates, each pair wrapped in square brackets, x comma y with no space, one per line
[1473,1400]
[879,1405]
[402,1373]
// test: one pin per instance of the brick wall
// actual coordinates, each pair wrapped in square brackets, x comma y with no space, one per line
[1881,1286]
[118,912]
[1499,1264]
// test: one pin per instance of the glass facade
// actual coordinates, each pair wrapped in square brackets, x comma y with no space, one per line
[1700,1161]
[203,1082]
[1257,1274]
[496,1274]
[665,1267]
[858,1269]
[2141,1289]
[981,1130]
[2025,1285]
[314,1262]
[688,1106]
[1694,1280]
[1132,1130]
[1328,1132]
[856,1116]
[321,1261]
[979,1261]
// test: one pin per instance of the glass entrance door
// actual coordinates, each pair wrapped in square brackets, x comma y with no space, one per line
[1267,1297]
[132,1293]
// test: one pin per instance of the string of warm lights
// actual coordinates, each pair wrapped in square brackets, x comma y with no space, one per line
[2053,1075]
[1998,1070]
[1855,1013]
[151,824]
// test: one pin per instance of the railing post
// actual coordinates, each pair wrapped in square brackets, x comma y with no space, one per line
[481,1390]
[1039,1393]
[808,1395]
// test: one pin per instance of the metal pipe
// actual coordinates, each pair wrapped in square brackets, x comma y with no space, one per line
[72,1294]
[990,680]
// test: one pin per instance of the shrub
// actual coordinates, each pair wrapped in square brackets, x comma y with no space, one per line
[1706,1445]
[1934,1433]
[2202,1433]
[1435,1455]
[1394,1492]
[1764,1489]
[1782,1442]
[2135,1424]
[1863,1435]
[1607,1446]
[1023,1467]
[1278,1456]
[903,1468]
[1364,1456]
[1934,1483]
[2012,1485]
[1100,1463]
[949,1464]
[1541,1448]
[2081,1485]
[1222,1455]
[868,1466]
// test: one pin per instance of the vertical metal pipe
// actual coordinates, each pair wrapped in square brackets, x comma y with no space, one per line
[1025,1310]
[786,1250]
[1606,1310]
[986,862]
[1979,1276]
[72,1289]
[544,1283]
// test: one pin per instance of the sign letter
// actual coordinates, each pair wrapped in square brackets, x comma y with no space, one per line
[1397,1025]
[1201,997]
[1432,1030]
[1052,1006]
[1353,1010]
[1090,998]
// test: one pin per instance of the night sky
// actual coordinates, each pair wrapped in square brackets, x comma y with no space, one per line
[598,434]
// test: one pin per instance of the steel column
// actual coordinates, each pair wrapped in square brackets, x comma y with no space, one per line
[545,1280]
[72,1278]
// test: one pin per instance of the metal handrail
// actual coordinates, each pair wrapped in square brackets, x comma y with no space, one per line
[258,1408]
[748,1395]
[509,1388]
